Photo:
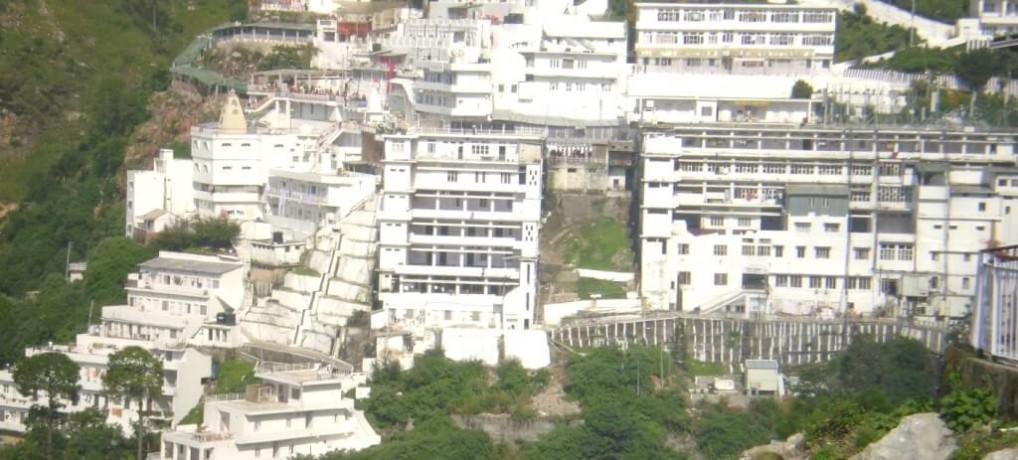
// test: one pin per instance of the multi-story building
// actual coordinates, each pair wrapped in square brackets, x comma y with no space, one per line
[296,410]
[231,160]
[184,371]
[173,296]
[458,229]
[741,38]
[995,17]
[306,199]
[167,187]
[170,300]
[802,219]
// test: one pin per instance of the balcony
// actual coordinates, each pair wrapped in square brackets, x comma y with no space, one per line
[149,285]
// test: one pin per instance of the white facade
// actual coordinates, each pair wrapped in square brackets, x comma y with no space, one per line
[734,38]
[458,230]
[296,410]
[174,295]
[995,17]
[166,187]
[232,160]
[806,221]
[169,300]
[304,199]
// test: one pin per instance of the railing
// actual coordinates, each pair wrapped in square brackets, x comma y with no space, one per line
[225,397]
[516,130]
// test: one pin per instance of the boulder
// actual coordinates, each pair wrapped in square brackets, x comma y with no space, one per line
[1006,454]
[917,437]
[790,449]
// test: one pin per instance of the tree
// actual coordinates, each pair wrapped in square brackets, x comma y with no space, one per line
[802,90]
[52,374]
[133,373]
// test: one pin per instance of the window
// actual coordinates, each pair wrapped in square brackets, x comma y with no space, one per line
[815,282]
[706,111]
[892,251]
[763,251]
[821,252]
[721,279]
[795,281]
[968,257]
[982,206]
[683,249]
[800,252]
[966,283]
[831,282]
[802,227]
[779,251]
[745,222]
[859,282]
[781,281]
[685,278]
[832,228]
[748,250]
[934,256]
[720,250]
[452,176]
[861,253]
[716,221]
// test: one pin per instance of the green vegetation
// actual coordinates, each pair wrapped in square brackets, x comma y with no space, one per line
[306,271]
[76,81]
[234,376]
[195,415]
[858,36]
[215,233]
[802,90]
[55,376]
[607,289]
[437,386]
[966,408]
[943,10]
[600,245]
[288,57]
[975,444]
[133,374]
[706,369]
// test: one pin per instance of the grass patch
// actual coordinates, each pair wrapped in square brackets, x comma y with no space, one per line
[707,369]
[196,415]
[234,375]
[608,289]
[602,244]
[306,271]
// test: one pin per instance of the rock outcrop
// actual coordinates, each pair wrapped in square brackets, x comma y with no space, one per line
[790,449]
[1006,454]
[917,437]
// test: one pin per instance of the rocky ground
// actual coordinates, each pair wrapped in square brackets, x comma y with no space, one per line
[551,401]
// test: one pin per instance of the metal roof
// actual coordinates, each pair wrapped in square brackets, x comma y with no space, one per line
[191,266]
[767,364]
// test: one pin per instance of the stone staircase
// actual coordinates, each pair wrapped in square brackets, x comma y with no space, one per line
[309,311]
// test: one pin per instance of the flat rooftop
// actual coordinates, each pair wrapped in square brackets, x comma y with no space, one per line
[189,266]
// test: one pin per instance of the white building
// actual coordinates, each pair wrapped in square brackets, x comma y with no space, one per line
[232,160]
[170,300]
[173,297]
[739,38]
[803,220]
[167,187]
[305,199]
[995,17]
[184,371]
[458,230]
[297,410]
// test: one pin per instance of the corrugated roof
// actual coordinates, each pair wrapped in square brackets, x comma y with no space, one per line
[769,364]
[185,265]
[817,189]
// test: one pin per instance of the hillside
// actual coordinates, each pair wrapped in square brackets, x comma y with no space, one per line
[80,80]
